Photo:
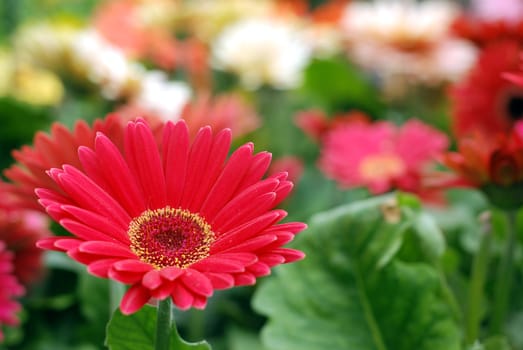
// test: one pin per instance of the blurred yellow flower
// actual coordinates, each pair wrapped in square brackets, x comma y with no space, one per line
[36,86]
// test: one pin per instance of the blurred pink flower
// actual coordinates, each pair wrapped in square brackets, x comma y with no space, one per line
[382,156]
[10,289]
[315,123]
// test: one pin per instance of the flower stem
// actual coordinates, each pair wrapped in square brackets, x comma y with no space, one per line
[164,321]
[504,277]
[476,286]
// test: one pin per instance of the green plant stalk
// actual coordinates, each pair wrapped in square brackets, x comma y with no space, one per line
[504,278]
[164,322]
[449,296]
[476,288]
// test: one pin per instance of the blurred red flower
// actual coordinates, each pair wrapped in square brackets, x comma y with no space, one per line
[485,101]
[492,164]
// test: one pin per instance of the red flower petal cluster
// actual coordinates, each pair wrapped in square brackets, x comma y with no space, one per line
[176,221]
[485,101]
[482,160]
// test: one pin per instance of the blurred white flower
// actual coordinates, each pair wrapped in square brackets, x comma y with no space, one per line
[44,44]
[103,63]
[262,50]
[162,97]
[406,42]
[496,10]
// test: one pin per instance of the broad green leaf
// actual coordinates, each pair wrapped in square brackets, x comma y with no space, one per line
[137,332]
[343,297]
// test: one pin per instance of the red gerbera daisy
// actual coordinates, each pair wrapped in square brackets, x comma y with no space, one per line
[54,149]
[177,222]
[485,101]
[381,156]
[10,289]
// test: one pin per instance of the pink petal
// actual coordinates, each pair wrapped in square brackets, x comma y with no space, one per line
[196,171]
[83,190]
[48,243]
[127,277]
[259,166]
[220,280]
[253,243]
[199,302]
[215,161]
[67,243]
[271,259]
[100,268]
[228,181]
[247,230]
[197,282]
[259,269]
[175,157]
[106,248]
[182,298]
[152,279]
[214,264]
[134,299]
[85,232]
[243,211]
[290,255]
[144,160]
[123,186]
[244,279]
[132,265]
[171,273]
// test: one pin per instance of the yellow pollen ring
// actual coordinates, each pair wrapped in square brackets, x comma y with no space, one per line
[170,237]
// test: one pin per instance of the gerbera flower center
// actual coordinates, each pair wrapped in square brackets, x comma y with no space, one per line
[170,237]
[381,167]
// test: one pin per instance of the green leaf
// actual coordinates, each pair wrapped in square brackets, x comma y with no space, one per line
[342,296]
[340,86]
[431,239]
[137,332]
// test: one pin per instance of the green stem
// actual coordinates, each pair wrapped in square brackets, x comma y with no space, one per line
[504,277]
[164,322]
[476,286]
[449,296]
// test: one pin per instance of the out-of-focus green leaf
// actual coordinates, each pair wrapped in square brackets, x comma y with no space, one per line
[339,86]
[239,339]
[339,297]
[137,332]
[493,343]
